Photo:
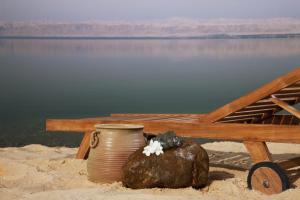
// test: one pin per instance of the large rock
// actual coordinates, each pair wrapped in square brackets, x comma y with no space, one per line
[179,167]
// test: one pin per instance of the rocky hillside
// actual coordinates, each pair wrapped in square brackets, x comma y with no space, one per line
[159,28]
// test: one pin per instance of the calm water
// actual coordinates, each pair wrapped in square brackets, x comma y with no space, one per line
[42,79]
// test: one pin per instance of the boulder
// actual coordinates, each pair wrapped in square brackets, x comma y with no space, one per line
[178,167]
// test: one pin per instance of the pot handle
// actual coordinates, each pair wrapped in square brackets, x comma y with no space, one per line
[94,139]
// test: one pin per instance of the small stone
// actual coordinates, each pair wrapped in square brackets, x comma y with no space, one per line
[82,172]
[168,140]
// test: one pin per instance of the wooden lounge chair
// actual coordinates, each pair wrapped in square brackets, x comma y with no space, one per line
[252,119]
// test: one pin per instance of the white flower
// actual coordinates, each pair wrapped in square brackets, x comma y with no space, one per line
[153,147]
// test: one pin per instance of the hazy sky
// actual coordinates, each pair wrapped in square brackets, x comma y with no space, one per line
[82,10]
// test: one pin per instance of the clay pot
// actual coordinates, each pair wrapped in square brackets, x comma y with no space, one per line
[110,146]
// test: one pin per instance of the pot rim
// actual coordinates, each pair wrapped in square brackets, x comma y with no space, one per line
[119,126]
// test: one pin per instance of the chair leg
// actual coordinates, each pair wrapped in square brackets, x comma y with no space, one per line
[84,147]
[258,151]
[265,175]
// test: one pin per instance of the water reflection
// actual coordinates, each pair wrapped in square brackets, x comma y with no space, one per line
[153,48]
[40,79]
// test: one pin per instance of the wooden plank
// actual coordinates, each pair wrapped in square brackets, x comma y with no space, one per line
[283,120]
[264,106]
[291,89]
[154,115]
[268,114]
[291,121]
[273,119]
[288,93]
[253,111]
[166,118]
[244,115]
[265,116]
[287,164]
[183,120]
[285,106]
[277,120]
[240,132]
[267,121]
[84,147]
[292,98]
[287,119]
[240,120]
[297,84]
[294,121]
[153,118]
[257,95]
[258,151]
[286,97]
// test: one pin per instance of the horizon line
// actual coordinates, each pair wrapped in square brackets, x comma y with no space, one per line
[212,36]
[146,20]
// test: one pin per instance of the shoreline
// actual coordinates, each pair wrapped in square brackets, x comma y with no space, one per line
[39,172]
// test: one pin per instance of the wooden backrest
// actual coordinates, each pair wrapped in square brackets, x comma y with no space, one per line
[256,106]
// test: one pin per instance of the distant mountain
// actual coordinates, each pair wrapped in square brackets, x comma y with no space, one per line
[160,28]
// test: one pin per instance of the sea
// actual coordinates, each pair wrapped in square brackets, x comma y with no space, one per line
[75,78]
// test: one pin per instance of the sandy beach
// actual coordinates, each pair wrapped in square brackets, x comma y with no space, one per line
[40,172]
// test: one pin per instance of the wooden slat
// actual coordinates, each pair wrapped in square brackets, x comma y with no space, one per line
[287,119]
[241,120]
[276,110]
[253,111]
[261,93]
[259,118]
[263,106]
[260,104]
[285,106]
[154,115]
[138,117]
[291,89]
[273,119]
[294,120]
[288,94]
[282,119]
[291,92]
[148,118]
[277,120]
[249,132]
[245,115]
[184,120]
[297,84]
[160,117]
[287,164]
[292,98]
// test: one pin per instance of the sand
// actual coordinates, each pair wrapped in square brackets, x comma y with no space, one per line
[38,172]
